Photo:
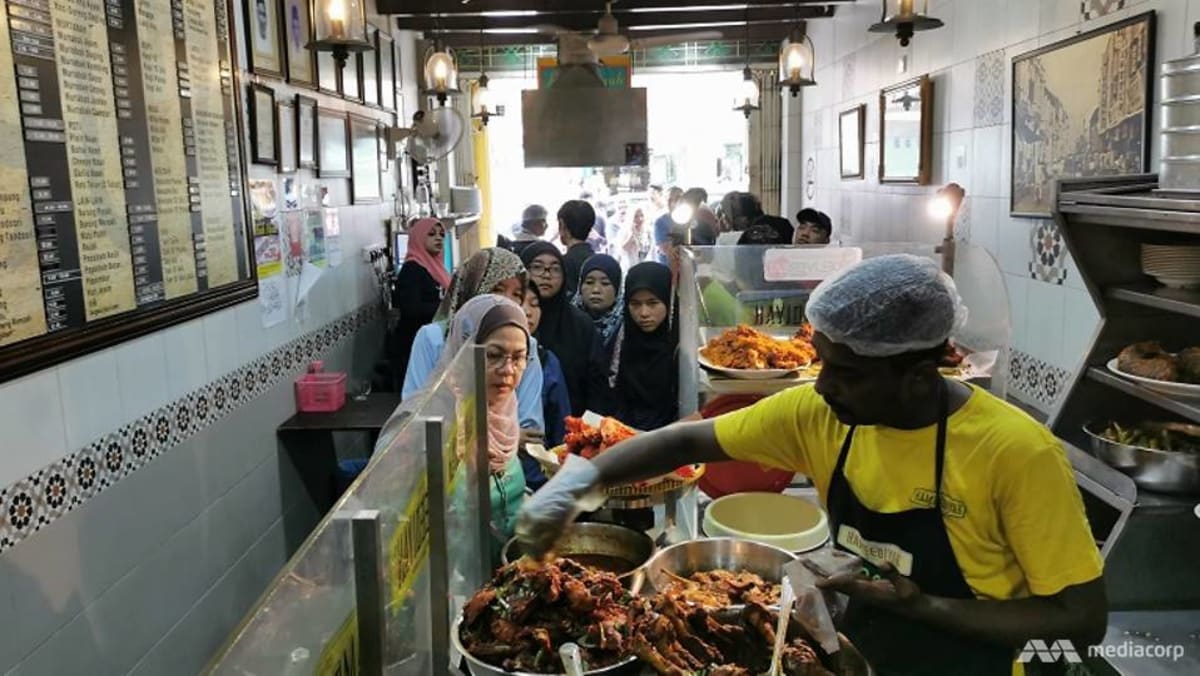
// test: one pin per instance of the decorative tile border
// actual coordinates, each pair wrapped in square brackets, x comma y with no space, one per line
[989,89]
[1036,382]
[32,503]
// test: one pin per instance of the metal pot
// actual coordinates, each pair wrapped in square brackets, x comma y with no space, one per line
[1162,471]
[478,667]
[707,554]
[582,541]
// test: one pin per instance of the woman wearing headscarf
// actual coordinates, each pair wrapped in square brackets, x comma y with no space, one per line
[556,405]
[644,374]
[498,324]
[489,272]
[566,330]
[418,288]
[600,297]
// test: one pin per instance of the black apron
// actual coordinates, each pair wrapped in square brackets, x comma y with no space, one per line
[891,643]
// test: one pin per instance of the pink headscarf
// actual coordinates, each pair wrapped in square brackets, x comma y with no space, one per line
[417,236]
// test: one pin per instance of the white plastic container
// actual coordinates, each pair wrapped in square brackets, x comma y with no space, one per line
[785,521]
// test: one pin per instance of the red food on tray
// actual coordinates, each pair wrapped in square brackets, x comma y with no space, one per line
[587,441]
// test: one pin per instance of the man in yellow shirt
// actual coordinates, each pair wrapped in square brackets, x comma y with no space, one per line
[964,509]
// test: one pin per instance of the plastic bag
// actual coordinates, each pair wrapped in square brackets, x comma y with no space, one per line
[810,609]
[828,562]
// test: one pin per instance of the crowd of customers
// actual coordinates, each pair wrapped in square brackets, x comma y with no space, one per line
[592,325]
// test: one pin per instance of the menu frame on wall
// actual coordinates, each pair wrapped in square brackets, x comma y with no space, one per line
[136,166]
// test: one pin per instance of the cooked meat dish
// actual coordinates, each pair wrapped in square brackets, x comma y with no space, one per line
[722,588]
[743,347]
[518,620]
[584,440]
[677,638]
[1148,360]
[1188,362]
[952,357]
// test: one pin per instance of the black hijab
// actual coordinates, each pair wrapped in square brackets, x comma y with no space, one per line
[646,382]
[566,331]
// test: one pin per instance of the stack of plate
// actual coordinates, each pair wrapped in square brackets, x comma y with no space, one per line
[1175,266]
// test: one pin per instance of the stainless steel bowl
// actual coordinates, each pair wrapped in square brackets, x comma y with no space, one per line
[478,667]
[707,554]
[633,548]
[1154,470]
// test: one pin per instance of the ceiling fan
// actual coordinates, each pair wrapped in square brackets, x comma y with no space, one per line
[609,41]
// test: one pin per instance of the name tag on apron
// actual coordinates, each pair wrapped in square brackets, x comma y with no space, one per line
[873,552]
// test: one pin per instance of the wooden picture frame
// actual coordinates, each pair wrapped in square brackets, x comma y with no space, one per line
[386,51]
[285,122]
[264,131]
[1100,125]
[852,132]
[262,37]
[306,132]
[296,28]
[333,144]
[365,185]
[909,141]
[368,70]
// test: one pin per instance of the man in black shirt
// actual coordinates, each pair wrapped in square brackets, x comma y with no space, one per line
[575,221]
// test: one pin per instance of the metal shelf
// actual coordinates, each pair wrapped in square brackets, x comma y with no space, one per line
[1188,410]
[1179,301]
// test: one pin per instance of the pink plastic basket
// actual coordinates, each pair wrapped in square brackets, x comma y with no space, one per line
[320,392]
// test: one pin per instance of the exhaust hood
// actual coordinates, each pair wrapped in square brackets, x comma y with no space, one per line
[578,122]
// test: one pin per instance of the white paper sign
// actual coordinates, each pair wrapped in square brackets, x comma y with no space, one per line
[807,264]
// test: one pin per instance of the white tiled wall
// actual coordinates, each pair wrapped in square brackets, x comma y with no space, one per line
[150,574]
[1053,322]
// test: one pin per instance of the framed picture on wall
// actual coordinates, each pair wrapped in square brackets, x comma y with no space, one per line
[351,79]
[387,70]
[906,132]
[364,161]
[264,139]
[368,67]
[306,132]
[386,166]
[295,20]
[852,126]
[327,75]
[285,119]
[333,151]
[262,34]
[1081,109]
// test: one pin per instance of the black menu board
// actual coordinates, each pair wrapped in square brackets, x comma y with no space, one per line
[121,175]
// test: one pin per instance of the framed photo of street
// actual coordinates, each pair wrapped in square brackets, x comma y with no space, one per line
[906,132]
[1081,109]
[264,143]
[365,187]
[852,126]
[306,132]
[296,28]
[386,55]
[333,151]
[262,32]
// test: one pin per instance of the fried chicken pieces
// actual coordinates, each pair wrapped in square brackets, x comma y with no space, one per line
[722,588]
[677,638]
[518,621]
[586,441]
[743,347]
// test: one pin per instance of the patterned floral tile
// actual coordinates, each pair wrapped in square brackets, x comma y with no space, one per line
[38,500]
[989,89]
[1037,382]
[1094,9]
[1049,253]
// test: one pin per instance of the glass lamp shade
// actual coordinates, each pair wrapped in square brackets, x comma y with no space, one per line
[796,62]
[340,26]
[484,101]
[905,17]
[441,73]
[746,99]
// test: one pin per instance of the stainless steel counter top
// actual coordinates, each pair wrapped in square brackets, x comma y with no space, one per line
[1151,643]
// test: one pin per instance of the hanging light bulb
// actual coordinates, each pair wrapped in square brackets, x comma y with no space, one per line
[340,27]
[796,61]
[902,18]
[747,95]
[485,102]
[441,73]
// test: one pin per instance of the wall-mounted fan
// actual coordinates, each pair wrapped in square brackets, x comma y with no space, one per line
[432,136]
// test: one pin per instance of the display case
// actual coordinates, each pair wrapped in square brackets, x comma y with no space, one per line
[378,583]
[1104,223]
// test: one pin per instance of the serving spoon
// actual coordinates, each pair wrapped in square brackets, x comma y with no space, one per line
[571,658]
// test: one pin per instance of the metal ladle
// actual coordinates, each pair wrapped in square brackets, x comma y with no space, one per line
[672,534]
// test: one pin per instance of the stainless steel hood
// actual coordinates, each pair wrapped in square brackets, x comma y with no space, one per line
[577,122]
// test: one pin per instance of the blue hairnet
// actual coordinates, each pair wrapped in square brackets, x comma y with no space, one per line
[887,306]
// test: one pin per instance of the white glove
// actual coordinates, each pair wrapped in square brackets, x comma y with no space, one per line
[545,515]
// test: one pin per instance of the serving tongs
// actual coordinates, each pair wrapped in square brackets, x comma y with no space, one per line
[787,599]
